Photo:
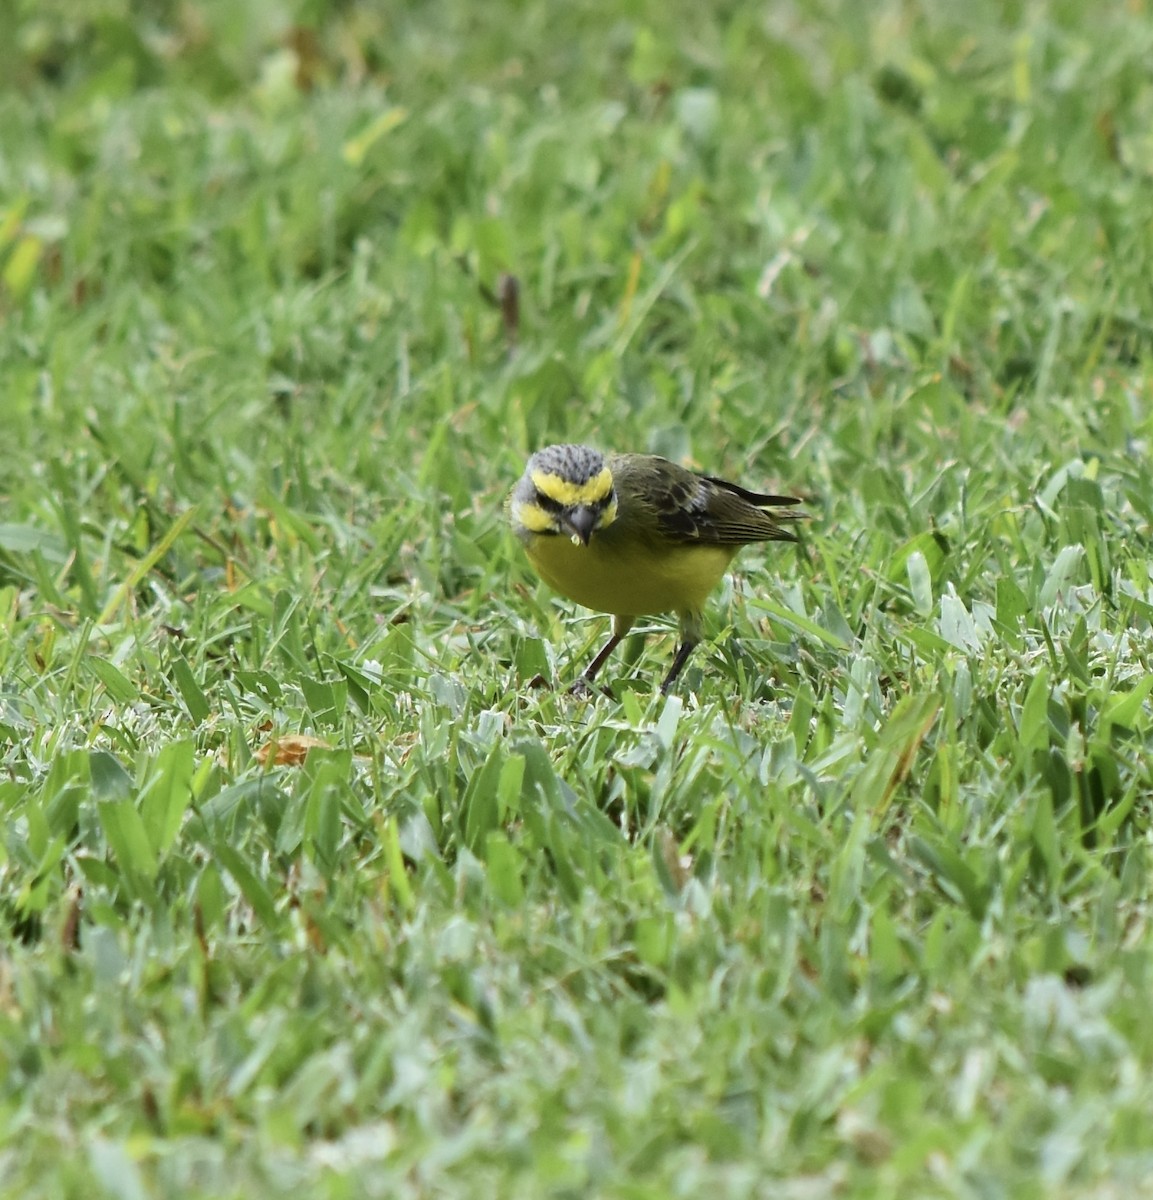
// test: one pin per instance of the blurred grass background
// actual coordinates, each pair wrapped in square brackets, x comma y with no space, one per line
[862,911]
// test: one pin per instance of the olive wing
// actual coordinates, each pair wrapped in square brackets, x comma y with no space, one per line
[687,507]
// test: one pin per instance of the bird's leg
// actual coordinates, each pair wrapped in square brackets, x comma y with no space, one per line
[590,672]
[621,626]
[690,639]
[679,659]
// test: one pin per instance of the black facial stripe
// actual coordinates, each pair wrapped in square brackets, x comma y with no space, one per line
[547,503]
[554,506]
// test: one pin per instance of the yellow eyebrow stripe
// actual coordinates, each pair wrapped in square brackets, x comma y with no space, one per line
[566,493]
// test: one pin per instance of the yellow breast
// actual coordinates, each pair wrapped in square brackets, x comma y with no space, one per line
[631,583]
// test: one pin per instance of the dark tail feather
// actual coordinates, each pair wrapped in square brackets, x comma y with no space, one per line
[757,499]
[781,534]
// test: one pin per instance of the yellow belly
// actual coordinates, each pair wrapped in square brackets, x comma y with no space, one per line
[632,583]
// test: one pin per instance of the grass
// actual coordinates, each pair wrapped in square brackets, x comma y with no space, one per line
[863,909]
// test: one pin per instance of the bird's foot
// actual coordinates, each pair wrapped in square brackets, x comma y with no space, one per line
[586,689]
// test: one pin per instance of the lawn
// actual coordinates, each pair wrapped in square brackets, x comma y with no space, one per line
[307,887]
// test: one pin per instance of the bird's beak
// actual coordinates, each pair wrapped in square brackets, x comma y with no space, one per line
[581,521]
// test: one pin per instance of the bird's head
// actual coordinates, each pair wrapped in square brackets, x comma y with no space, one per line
[564,490]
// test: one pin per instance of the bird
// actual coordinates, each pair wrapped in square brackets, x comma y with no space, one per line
[634,535]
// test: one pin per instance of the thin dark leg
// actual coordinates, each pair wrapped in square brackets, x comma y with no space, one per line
[590,672]
[679,659]
[621,626]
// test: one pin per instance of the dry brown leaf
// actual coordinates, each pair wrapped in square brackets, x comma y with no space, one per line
[289,751]
[678,867]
